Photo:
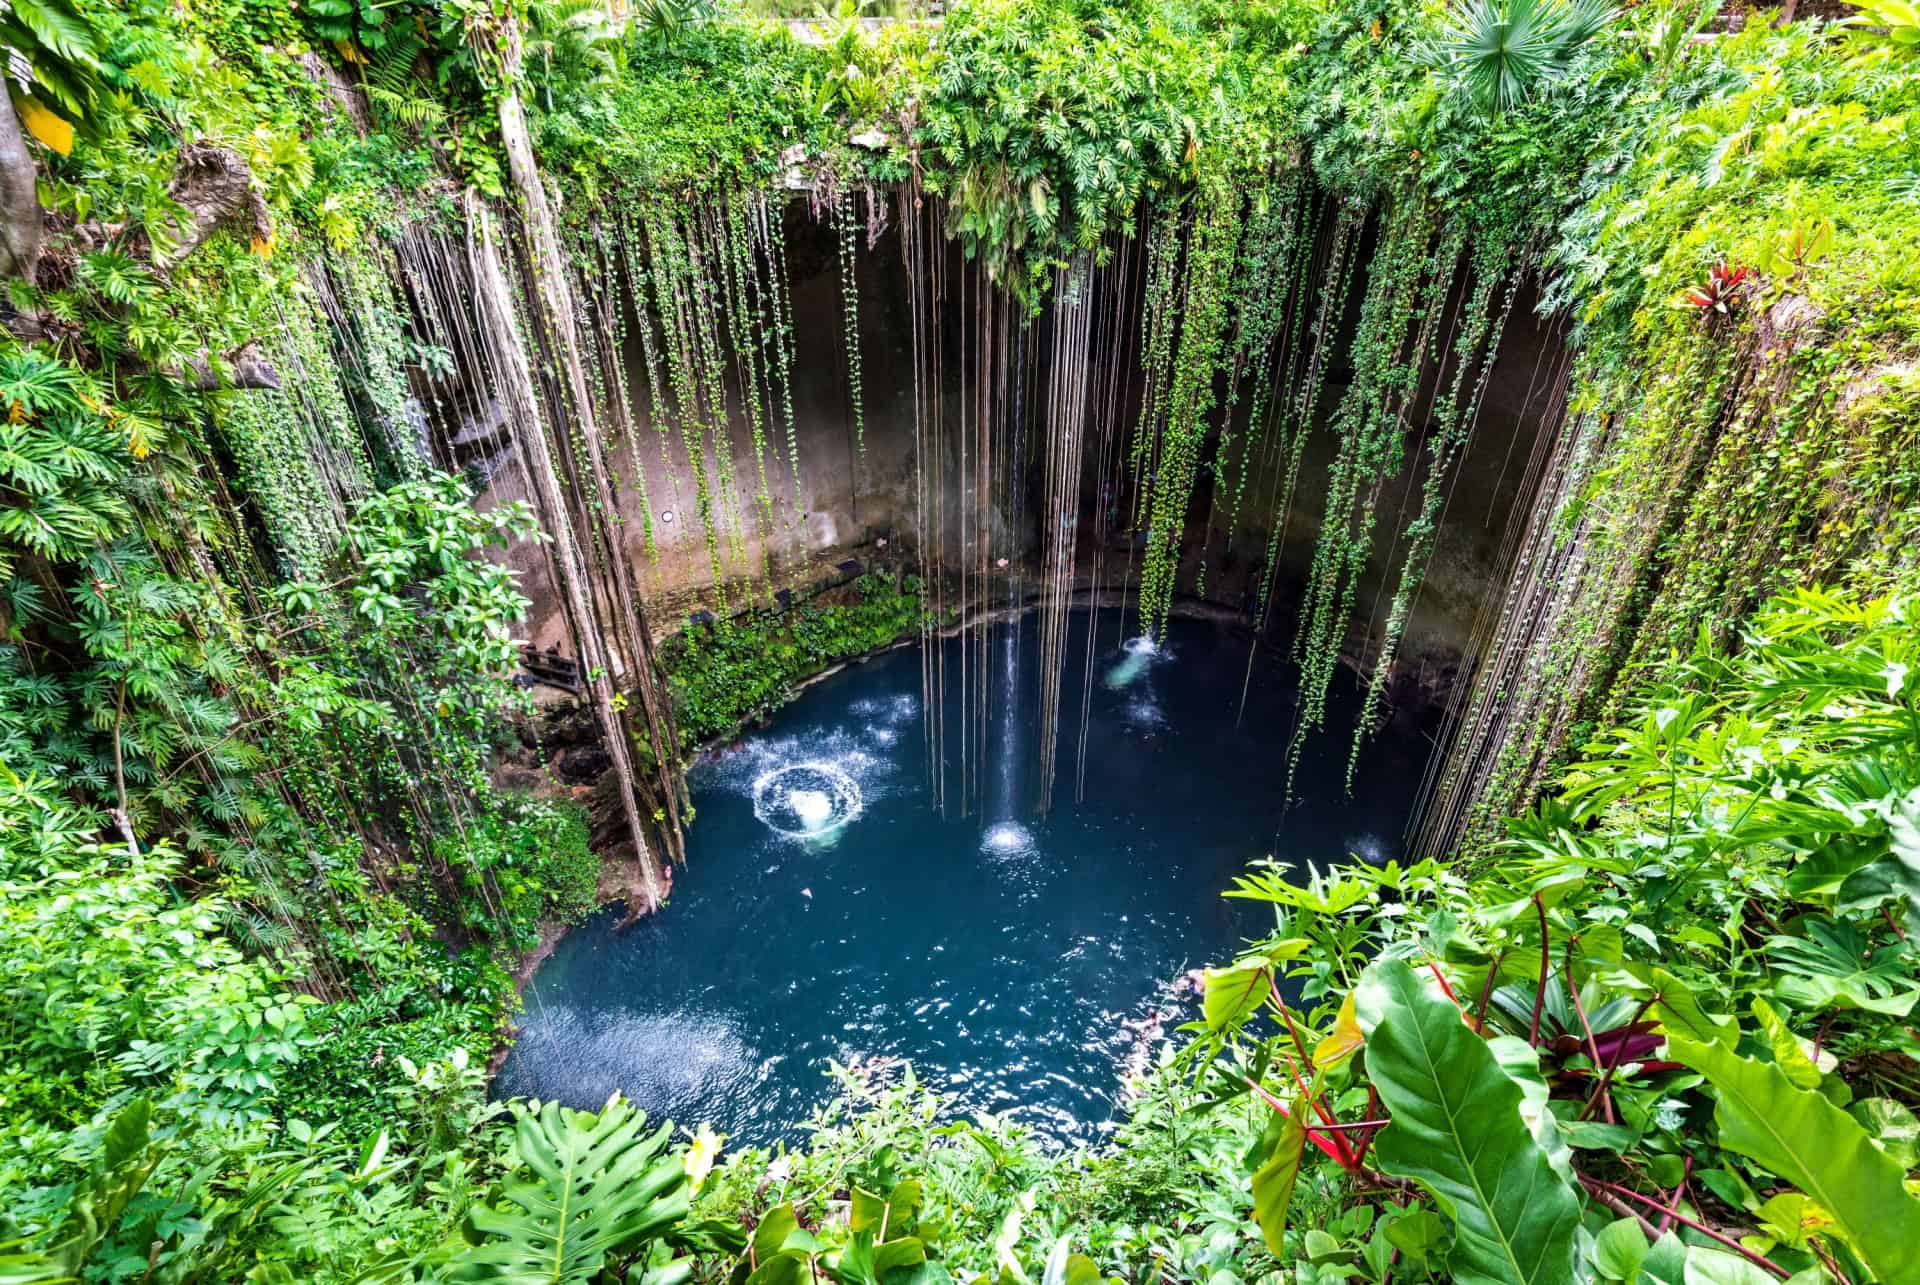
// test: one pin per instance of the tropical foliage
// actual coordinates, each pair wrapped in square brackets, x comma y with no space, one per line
[724,673]
[262,886]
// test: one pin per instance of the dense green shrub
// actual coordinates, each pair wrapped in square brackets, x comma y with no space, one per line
[725,672]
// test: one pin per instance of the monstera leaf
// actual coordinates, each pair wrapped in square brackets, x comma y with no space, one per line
[1458,1131]
[599,1189]
[1805,1139]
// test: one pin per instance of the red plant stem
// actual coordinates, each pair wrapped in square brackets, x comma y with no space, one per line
[1702,1228]
[1486,991]
[1373,1107]
[1300,1083]
[1435,970]
[1332,1146]
[1546,955]
[1613,1063]
[1679,1190]
[1593,1047]
[1286,1015]
[1306,1059]
[1335,1147]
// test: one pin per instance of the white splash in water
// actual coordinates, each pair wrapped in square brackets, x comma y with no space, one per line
[809,800]
[1007,839]
[1140,653]
[1370,848]
[813,808]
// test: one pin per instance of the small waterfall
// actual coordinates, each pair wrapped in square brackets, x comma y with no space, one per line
[1005,835]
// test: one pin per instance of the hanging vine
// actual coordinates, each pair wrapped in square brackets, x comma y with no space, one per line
[1183,410]
[1451,430]
[1408,278]
[847,227]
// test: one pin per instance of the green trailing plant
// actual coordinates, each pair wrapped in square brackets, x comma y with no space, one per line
[847,233]
[1174,425]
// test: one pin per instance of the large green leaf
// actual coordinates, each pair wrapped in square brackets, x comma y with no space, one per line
[1803,1138]
[1458,1131]
[1717,1267]
[1273,1181]
[1521,1062]
[1831,967]
[600,1189]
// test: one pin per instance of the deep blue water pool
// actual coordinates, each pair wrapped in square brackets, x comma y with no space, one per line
[828,911]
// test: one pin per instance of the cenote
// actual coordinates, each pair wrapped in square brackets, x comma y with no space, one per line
[828,912]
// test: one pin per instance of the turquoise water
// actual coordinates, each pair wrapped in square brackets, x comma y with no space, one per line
[827,911]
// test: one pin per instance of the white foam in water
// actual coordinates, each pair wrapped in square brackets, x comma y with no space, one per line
[1370,848]
[1140,653]
[808,800]
[1007,839]
[813,807]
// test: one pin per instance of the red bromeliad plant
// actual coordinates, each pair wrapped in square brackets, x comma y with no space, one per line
[1724,285]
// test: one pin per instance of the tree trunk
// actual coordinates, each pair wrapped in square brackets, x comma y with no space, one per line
[22,222]
[596,671]
[555,297]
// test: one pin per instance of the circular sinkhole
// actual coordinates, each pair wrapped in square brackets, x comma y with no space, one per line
[1021,958]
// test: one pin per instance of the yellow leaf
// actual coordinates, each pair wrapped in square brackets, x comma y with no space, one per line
[1345,1039]
[350,53]
[263,246]
[701,1155]
[45,125]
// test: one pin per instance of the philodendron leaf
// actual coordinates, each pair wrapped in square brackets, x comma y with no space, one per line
[1803,1138]
[1458,1132]
[1273,1181]
[1343,1041]
[1619,1249]
[1665,1263]
[1892,1127]
[597,1188]
[1232,993]
[1522,1064]
[1717,1267]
